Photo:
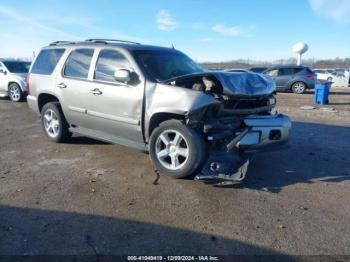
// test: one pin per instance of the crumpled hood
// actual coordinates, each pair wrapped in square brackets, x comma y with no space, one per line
[245,83]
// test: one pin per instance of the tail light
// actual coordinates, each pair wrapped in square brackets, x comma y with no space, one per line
[27,85]
[309,76]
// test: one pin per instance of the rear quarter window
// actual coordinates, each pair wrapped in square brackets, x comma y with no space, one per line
[309,70]
[298,69]
[46,61]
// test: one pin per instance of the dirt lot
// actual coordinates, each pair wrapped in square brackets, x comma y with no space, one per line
[88,197]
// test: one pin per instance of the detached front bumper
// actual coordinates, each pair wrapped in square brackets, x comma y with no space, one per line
[258,133]
[264,132]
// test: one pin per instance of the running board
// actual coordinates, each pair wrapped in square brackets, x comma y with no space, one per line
[98,135]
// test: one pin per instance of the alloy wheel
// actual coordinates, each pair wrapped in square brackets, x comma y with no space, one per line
[14,92]
[51,123]
[172,149]
[299,87]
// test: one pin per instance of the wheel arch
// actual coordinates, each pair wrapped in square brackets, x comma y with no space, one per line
[157,118]
[45,98]
[14,82]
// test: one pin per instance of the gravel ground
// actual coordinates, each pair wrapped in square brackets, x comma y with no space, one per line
[88,197]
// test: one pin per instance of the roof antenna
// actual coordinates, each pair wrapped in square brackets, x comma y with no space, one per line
[172,46]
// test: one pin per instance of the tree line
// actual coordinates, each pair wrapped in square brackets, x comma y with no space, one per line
[243,64]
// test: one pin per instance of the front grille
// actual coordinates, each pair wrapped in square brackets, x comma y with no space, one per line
[246,103]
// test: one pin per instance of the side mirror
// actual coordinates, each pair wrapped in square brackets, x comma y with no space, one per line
[122,75]
[2,71]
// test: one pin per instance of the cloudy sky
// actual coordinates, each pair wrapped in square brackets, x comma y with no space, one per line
[206,30]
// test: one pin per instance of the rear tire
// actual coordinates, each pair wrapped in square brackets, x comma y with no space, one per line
[330,79]
[176,149]
[54,123]
[15,92]
[299,87]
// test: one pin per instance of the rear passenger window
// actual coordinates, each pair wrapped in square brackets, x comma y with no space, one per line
[46,61]
[108,62]
[285,71]
[78,63]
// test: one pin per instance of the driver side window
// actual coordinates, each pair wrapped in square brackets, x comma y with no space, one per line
[272,73]
[108,62]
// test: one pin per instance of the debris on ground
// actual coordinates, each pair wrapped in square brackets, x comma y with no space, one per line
[132,202]
[307,107]
[329,109]
[156,181]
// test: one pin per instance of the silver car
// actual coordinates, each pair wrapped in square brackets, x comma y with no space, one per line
[13,79]
[156,99]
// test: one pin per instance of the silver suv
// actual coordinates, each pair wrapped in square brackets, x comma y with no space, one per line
[155,99]
[13,79]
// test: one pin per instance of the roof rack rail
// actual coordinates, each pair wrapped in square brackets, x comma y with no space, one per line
[61,43]
[105,41]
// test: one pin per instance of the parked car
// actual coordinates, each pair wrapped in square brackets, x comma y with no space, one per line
[13,79]
[258,69]
[342,72]
[238,70]
[292,77]
[329,75]
[158,100]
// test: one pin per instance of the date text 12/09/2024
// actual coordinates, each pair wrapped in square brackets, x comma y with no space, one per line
[173,258]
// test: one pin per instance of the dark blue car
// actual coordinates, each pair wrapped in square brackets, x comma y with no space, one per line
[292,77]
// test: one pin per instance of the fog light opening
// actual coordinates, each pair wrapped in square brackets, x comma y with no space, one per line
[275,135]
[214,167]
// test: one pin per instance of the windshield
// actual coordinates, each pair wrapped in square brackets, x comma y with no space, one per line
[162,65]
[17,67]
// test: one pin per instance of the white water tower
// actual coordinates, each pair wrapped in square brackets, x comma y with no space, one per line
[299,49]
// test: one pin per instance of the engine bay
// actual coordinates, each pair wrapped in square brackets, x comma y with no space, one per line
[232,104]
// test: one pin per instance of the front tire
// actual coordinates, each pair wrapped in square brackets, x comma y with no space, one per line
[298,87]
[54,123]
[15,92]
[176,150]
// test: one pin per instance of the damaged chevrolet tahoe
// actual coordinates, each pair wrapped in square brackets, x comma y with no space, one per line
[191,121]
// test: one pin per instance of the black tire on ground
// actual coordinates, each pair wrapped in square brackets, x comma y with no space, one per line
[298,87]
[195,145]
[15,93]
[63,133]
[330,79]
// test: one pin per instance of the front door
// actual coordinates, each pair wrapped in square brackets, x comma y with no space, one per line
[115,108]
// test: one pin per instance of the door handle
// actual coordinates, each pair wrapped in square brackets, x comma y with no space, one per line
[96,92]
[62,85]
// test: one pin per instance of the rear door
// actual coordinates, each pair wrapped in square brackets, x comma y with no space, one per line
[285,75]
[73,86]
